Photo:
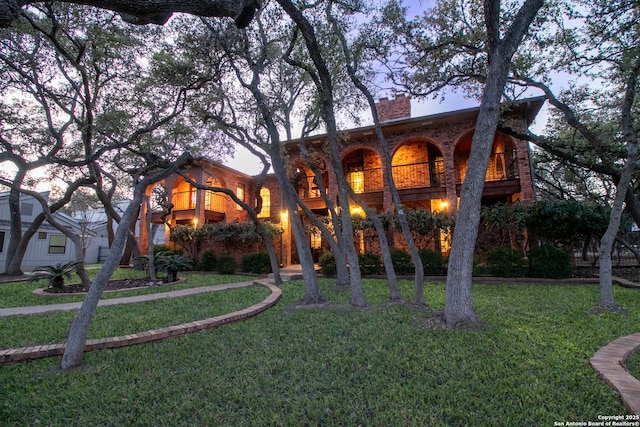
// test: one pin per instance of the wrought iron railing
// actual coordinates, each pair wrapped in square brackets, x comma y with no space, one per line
[184,200]
[500,168]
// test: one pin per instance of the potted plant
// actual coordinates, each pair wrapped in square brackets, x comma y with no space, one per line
[54,274]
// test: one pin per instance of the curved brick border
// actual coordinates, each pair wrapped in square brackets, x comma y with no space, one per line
[608,362]
[14,355]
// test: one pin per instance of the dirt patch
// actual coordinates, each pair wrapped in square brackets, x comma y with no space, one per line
[113,285]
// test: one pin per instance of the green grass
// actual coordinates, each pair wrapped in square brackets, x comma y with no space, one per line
[529,365]
[20,294]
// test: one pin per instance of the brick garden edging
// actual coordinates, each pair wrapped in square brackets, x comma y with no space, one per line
[22,354]
[608,362]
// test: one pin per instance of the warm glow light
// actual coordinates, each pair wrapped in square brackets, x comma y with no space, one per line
[445,204]
[356,210]
[195,222]
[284,215]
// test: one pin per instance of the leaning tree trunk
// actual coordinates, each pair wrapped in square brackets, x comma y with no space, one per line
[79,329]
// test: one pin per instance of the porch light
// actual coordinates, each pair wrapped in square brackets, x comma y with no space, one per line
[195,222]
[356,210]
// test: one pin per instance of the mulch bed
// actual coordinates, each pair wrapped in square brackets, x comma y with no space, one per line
[113,285]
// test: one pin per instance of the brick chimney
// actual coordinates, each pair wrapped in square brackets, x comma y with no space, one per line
[392,109]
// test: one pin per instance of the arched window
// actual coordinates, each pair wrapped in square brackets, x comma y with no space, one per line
[265,212]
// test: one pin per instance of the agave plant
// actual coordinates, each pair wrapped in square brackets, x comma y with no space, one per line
[54,274]
[171,264]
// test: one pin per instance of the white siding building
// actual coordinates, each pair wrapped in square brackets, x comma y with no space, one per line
[49,246]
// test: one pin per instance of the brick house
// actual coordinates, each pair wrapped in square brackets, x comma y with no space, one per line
[429,162]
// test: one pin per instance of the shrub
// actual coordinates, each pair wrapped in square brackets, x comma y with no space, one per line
[171,264]
[505,262]
[549,262]
[208,261]
[54,274]
[166,250]
[257,263]
[432,261]
[327,264]
[226,264]
[370,263]
[402,261]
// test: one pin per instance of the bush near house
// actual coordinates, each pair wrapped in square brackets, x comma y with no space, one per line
[257,263]
[402,261]
[208,261]
[327,263]
[505,262]
[226,264]
[370,263]
[547,261]
[432,261]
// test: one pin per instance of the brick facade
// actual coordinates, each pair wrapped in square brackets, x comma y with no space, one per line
[429,158]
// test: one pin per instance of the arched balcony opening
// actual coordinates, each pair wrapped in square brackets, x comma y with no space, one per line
[418,164]
[183,195]
[214,201]
[503,163]
[363,170]
[306,183]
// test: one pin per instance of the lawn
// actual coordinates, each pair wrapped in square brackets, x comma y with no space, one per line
[383,366]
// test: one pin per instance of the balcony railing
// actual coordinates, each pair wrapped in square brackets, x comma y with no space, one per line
[215,202]
[500,168]
[310,190]
[185,200]
[417,175]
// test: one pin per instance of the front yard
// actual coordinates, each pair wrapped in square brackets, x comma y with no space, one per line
[386,365]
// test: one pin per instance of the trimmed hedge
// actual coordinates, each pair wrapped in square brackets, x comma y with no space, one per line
[505,262]
[257,263]
[226,264]
[549,262]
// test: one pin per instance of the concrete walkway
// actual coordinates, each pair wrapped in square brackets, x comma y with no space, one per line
[39,309]
[15,355]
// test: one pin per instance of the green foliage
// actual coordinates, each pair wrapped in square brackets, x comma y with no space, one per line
[505,262]
[208,261]
[234,232]
[327,263]
[432,262]
[402,263]
[550,262]
[188,237]
[257,263]
[532,348]
[54,274]
[166,249]
[172,264]
[370,263]
[226,264]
